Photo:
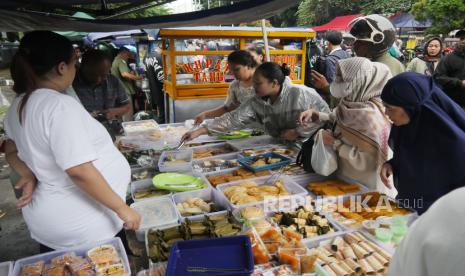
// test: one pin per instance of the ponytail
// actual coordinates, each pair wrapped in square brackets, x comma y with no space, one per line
[285,69]
[33,61]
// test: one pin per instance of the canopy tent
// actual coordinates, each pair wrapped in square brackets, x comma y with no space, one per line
[76,36]
[12,19]
[406,20]
[339,23]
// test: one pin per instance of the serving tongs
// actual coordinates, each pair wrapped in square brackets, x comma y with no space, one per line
[183,140]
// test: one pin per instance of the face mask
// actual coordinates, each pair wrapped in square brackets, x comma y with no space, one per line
[339,90]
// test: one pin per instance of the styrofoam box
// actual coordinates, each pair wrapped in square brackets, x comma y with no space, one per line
[179,154]
[142,184]
[293,188]
[151,125]
[207,194]
[155,213]
[6,268]
[219,145]
[79,250]
[230,156]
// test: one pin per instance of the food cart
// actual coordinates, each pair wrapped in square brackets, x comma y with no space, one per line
[196,68]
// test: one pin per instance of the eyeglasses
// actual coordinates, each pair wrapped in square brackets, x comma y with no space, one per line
[376,36]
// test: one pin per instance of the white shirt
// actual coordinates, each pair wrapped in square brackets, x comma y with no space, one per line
[435,243]
[57,133]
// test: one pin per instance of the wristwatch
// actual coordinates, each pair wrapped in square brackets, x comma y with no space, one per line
[337,144]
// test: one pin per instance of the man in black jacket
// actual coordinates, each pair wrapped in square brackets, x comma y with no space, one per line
[450,73]
[153,63]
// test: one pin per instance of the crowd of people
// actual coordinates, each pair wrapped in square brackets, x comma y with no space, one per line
[399,133]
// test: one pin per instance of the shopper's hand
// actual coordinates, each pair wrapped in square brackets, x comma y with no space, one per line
[319,81]
[386,172]
[290,135]
[110,114]
[194,134]
[28,185]
[308,116]
[328,138]
[200,118]
[130,217]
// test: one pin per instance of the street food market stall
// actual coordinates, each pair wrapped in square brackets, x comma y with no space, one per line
[196,68]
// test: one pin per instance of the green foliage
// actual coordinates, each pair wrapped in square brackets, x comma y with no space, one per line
[446,15]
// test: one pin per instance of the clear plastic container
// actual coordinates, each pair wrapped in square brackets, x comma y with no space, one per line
[145,184]
[209,195]
[199,166]
[164,165]
[140,127]
[78,250]
[155,213]
[6,268]
[296,191]
[216,150]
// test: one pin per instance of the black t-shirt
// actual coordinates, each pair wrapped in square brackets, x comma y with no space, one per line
[153,63]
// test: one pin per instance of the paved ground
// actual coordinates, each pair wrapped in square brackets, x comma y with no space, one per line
[15,241]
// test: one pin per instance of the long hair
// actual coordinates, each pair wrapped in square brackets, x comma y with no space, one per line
[39,52]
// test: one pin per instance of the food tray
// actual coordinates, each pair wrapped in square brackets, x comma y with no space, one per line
[197,165]
[186,155]
[139,127]
[143,184]
[412,216]
[79,250]
[275,148]
[136,174]
[247,162]
[170,181]
[231,252]
[155,213]
[227,172]
[293,188]
[318,178]
[227,148]
[6,268]
[207,194]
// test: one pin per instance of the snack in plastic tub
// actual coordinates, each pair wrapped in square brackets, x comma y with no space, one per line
[370,226]
[34,269]
[384,235]
[259,251]
[103,254]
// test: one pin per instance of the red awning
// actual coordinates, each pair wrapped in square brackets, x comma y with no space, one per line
[339,23]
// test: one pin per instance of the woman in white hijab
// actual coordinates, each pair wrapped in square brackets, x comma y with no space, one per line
[360,137]
[435,243]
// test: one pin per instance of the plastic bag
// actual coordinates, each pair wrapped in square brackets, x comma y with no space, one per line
[324,159]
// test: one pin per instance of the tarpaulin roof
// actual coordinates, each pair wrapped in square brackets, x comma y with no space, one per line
[245,11]
[406,20]
[338,23]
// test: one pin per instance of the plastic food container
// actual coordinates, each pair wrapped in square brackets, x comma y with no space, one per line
[143,185]
[248,162]
[220,256]
[6,268]
[142,174]
[184,156]
[209,195]
[215,150]
[155,213]
[199,165]
[383,234]
[319,178]
[139,127]
[78,250]
[293,188]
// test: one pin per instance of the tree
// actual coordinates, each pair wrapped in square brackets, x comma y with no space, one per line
[285,19]
[445,15]
[256,23]
[317,12]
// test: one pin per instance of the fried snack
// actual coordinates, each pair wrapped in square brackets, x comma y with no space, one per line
[333,188]
[34,269]
[236,175]
[102,254]
[111,270]
[249,191]
[54,270]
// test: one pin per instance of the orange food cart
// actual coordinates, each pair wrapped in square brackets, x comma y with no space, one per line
[196,68]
